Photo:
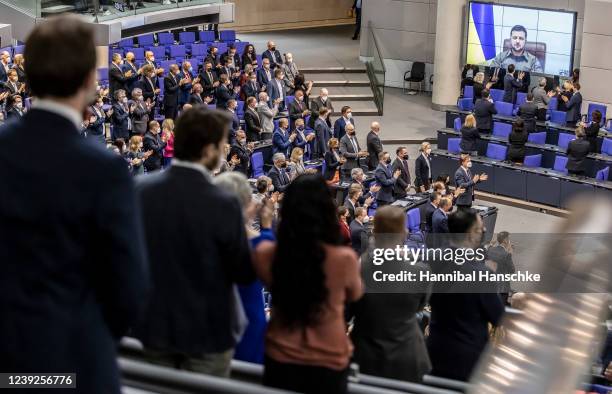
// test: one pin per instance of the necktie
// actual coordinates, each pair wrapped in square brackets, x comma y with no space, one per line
[210,78]
[354,145]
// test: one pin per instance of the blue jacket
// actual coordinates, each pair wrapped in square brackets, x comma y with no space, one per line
[385,179]
[339,126]
[281,142]
[510,86]
[274,93]
[465,181]
[323,135]
[573,108]
[185,89]
[439,222]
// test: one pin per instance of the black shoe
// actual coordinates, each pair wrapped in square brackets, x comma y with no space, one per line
[355,38]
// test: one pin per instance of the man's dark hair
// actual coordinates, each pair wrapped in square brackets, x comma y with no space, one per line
[344,109]
[519,28]
[461,221]
[434,196]
[196,129]
[277,72]
[596,116]
[510,68]
[529,97]
[399,149]
[502,236]
[61,56]
[262,185]
[485,93]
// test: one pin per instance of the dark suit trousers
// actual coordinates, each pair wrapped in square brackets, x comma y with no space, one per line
[170,112]
[357,22]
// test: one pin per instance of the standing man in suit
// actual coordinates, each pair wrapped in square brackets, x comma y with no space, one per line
[282,140]
[195,98]
[172,86]
[465,180]
[140,110]
[251,88]
[225,92]
[130,65]
[430,207]
[386,179]
[267,114]
[232,106]
[359,235]
[278,173]
[573,105]
[5,60]
[158,71]
[374,145]
[322,133]
[87,273]
[297,108]
[439,221]
[322,101]
[252,120]
[341,122]
[303,140]
[197,254]
[402,186]
[357,8]
[422,169]
[240,151]
[117,78]
[264,74]
[273,55]
[122,124]
[152,141]
[187,76]
[511,84]
[351,151]
[209,80]
[484,109]
[577,151]
[12,84]
[591,130]
[541,98]
[528,111]
[276,89]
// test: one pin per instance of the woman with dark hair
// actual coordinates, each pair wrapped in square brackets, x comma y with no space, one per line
[517,140]
[575,75]
[345,231]
[300,83]
[445,179]
[333,161]
[307,349]
[249,56]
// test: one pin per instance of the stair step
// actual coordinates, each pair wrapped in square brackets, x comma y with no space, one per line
[322,70]
[361,112]
[358,108]
[352,97]
[340,83]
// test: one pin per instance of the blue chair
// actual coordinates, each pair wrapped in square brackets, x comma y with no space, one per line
[207,36]
[564,140]
[496,94]
[465,104]
[533,161]
[553,104]
[468,92]
[187,37]
[496,151]
[608,126]
[177,51]
[158,52]
[521,98]
[198,50]
[259,58]
[288,100]
[18,49]
[115,50]
[165,64]
[599,107]
[139,54]
[537,138]
[240,45]
[240,109]
[413,220]
[103,74]
[503,108]
[165,38]
[502,129]
[558,117]
[560,163]
[126,43]
[453,145]
[606,146]
[257,164]
[457,124]
[371,211]
[603,175]
[212,106]
[276,121]
[146,40]
[222,47]
[227,36]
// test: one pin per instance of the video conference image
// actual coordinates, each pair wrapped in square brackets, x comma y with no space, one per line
[534,40]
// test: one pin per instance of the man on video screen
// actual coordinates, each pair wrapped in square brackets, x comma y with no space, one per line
[517,54]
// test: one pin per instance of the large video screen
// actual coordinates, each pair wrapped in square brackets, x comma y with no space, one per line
[534,40]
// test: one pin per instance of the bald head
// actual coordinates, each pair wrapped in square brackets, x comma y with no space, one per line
[375,127]
[323,92]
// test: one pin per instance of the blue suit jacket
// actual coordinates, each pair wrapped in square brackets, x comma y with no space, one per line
[262,78]
[439,222]
[465,181]
[385,179]
[274,93]
[66,267]
[323,134]
[131,81]
[573,108]
[339,126]
[510,86]
[185,89]
[281,142]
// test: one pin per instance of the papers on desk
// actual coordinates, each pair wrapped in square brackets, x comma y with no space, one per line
[401,203]
[480,208]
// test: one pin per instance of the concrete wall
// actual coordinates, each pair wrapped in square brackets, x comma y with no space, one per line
[406,30]
[6,35]
[261,15]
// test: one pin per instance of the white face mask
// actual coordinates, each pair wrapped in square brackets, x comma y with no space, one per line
[349,115]
[124,100]
[300,158]
[271,188]
[366,219]
[469,164]
[443,192]
[428,151]
[18,105]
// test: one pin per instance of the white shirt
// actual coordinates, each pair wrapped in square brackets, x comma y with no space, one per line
[62,110]
[194,166]
[428,164]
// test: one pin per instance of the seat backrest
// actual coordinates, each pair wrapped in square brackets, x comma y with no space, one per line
[557,117]
[453,145]
[165,64]
[222,47]
[115,50]
[178,51]
[227,35]
[126,43]
[187,37]
[413,220]
[553,104]
[288,100]
[18,49]
[102,74]
[560,163]
[198,50]
[537,49]
[496,151]
[606,146]
[207,36]
[599,107]
[468,92]
[240,108]
[465,104]
[533,160]
[537,138]
[418,70]
[502,129]
[457,124]
[564,140]
[603,175]
[257,164]
[240,45]
[504,108]
[165,38]
[521,98]
[497,94]
[138,54]
[158,52]
[146,40]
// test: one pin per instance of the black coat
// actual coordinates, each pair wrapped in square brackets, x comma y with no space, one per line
[222,95]
[171,91]
[591,132]
[331,165]
[374,148]
[359,237]
[243,154]
[116,79]
[74,275]
[120,119]
[484,111]
[253,125]
[516,148]
[577,151]
[189,311]
[469,137]
[154,143]
[399,189]
[529,113]
[207,82]
[279,180]
[421,173]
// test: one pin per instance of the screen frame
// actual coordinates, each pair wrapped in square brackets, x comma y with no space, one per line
[467,29]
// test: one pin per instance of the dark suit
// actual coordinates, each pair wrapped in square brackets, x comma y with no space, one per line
[153,142]
[14,113]
[243,154]
[96,128]
[591,132]
[171,96]
[296,111]
[315,106]
[429,211]
[130,82]
[263,79]
[573,108]
[274,57]
[331,165]
[195,99]
[439,222]
[3,73]
[222,95]
[140,118]
[275,93]
[339,126]
[528,111]
[74,275]
[281,142]
[196,255]
[280,178]
[348,204]
[469,136]
[465,180]
[399,189]
[350,151]
[253,125]
[384,177]
[421,173]
[577,151]
[116,79]
[511,85]
[121,120]
[184,89]
[484,111]
[374,148]
[359,237]
[250,89]
[323,135]
[516,150]
[207,80]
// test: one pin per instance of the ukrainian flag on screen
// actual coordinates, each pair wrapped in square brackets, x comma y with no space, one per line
[481,34]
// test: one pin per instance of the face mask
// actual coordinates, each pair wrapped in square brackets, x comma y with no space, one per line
[152,59]
[271,188]
[190,69]
[469,164]
[324,98]
[273,49]
[428,151]
[284,165]
[18,105]
[99,105]
[443,192]
[405,157]
[300,98]
[388,161]
[349,115]
[300,158]
[124,100]
[366,219]
[300,128]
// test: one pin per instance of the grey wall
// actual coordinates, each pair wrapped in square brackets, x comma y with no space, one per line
[406,30]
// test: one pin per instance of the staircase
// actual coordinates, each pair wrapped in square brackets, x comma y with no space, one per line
[346,86]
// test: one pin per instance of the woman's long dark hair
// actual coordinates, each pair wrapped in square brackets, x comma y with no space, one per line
[308,221]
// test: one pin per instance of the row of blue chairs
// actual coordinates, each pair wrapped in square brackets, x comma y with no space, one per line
[13,50]
[175,51]
[185,37]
